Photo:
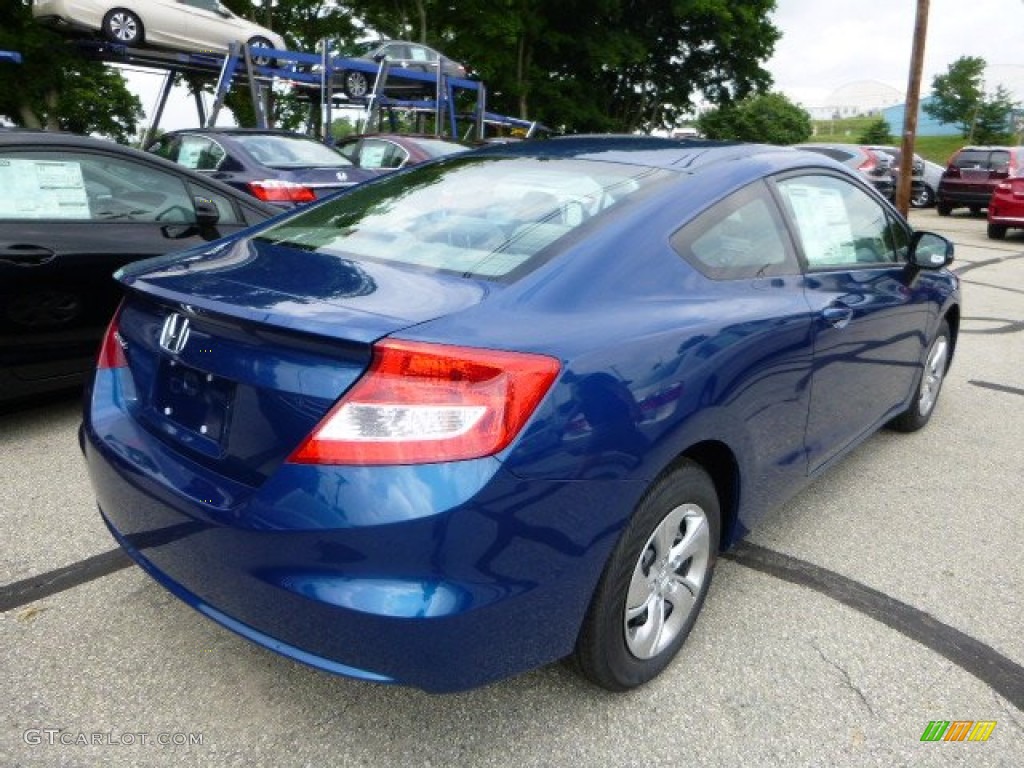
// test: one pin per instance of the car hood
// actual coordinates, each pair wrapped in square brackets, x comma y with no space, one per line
[324,294]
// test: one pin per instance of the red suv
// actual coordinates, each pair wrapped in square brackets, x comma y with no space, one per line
[972,175]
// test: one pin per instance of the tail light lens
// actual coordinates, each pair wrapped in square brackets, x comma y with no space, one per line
[112,349]
[422,403]
[869,164]
[278,191]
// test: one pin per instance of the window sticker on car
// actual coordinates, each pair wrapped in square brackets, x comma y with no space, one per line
[42,189]
[823,222]
[372,157]
[191,152]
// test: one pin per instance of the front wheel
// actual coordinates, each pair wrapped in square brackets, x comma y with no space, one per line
[124,27]
[654,584]
[929,385]
[354,84]
[923,197]
[261,42]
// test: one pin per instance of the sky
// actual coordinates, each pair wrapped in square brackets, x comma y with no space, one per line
[830,43]
[827,44]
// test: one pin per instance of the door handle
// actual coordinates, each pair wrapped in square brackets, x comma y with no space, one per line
[837,315]
[24,255]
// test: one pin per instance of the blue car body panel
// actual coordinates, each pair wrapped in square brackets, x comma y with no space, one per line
[450,575]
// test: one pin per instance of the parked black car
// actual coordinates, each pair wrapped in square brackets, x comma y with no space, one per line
[279,167]
[72,211]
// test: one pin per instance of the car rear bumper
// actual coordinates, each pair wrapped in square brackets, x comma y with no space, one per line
[957,198]
[443,585]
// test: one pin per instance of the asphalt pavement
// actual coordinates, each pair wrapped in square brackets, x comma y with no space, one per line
[887,596]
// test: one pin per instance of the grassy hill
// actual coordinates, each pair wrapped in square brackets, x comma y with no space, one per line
[938,149]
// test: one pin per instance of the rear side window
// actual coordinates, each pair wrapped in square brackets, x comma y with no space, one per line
[741,237]
[477,217]
[199,153]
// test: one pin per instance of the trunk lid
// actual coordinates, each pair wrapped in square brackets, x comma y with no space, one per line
[235,354]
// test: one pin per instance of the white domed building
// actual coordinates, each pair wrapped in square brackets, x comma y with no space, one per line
[861,98]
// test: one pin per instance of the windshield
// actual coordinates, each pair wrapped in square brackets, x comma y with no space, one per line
[290,152]
[474,216]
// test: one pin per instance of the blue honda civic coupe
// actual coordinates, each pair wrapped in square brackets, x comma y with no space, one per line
[507,407]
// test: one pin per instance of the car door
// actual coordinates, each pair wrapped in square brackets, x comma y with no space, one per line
[867,307]
[169,23]
[209,27]
[69,217]
[762,357]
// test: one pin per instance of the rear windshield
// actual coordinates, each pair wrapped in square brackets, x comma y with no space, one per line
[474,216]
[290,151]
[440,148]
[988,159]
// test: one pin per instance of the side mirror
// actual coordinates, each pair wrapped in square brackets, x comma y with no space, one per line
[930,251]
[207,214]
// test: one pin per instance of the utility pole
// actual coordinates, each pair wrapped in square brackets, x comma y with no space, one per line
[912,108]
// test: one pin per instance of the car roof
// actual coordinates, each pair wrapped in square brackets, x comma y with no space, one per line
[240,132]
[672,154]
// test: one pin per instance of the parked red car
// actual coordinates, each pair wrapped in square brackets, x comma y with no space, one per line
[1006,208]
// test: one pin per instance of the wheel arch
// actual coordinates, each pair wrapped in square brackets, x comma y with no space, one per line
[719,461]
[952,318]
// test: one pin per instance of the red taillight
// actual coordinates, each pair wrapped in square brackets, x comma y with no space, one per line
[869,163]
[278,191]
[112,349]
[421,403]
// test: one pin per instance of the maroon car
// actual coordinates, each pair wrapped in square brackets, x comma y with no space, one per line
[391,151]
[972,175]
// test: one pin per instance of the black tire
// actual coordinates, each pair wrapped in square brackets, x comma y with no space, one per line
[355,84]
[924,197]
[943,209]
[996,231]
[929,383]
[654,582]
[123,27]
[261,42]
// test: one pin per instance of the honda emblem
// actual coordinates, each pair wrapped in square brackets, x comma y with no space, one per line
[174,334]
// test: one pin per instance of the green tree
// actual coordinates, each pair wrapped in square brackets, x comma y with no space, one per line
[876,133]
[770,118]
[958,94]
[959,98]
[598,64]
[992,123]
[57,89]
